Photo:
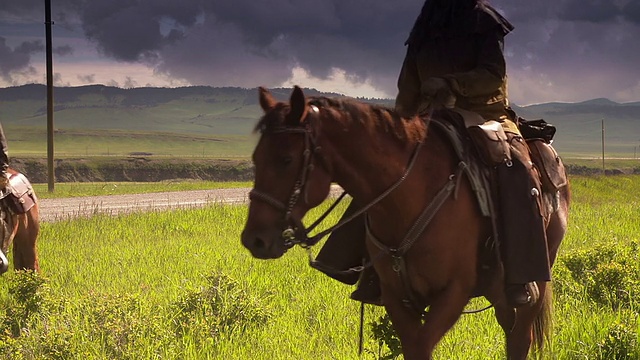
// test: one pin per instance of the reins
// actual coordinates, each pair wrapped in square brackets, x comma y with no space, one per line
[299,235]
[291,235]
[310,241]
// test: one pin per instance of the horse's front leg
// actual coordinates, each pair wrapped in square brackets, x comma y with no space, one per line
[420,336]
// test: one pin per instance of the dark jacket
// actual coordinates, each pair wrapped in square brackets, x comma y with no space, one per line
[463,45]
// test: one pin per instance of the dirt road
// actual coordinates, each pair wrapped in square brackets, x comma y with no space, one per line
[52,210]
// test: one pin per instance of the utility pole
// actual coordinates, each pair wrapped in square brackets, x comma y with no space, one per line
[603,170]
[48,23]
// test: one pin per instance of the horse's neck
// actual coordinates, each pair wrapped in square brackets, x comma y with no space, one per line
[366,167]
[367,172]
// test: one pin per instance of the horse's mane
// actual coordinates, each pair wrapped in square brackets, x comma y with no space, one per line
[375,118]
[372,117]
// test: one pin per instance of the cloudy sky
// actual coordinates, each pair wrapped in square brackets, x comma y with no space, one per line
[560,50]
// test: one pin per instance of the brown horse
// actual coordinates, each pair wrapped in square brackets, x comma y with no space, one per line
[20,224]
[389,163]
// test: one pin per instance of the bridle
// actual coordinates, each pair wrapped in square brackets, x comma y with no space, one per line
[311,149]
[295,233]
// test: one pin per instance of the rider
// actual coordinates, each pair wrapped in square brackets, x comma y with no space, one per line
[4,160]
[455,58]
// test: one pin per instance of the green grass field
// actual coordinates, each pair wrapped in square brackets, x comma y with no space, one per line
[228,140]
[26,142]
[179,285]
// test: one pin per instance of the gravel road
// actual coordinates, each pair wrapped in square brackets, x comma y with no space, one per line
[52,210]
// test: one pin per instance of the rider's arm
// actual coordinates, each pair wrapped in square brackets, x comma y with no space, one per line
[490,73]
[409,96]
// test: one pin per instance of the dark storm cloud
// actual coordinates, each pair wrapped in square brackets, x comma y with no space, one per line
[573,50]
[16,59]
[221,41]
[631,12]
[560,49]
[596,11]
[130,30]
[17,11]
[64,50]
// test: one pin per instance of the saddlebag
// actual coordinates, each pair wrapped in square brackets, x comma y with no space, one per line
[549,164]
[22,197]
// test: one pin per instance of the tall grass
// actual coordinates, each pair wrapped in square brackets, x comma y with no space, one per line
[179,285]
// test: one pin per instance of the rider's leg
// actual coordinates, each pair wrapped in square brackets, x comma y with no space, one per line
[368,290]
[523,238]
[345,249]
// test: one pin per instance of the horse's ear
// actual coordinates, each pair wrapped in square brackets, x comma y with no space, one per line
[298,106]
[267,102]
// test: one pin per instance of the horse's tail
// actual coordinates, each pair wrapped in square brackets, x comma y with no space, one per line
[543,321]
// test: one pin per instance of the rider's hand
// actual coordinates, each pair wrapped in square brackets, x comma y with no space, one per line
[434,86]
[437,93]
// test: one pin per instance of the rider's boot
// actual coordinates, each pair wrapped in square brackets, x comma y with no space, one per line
[344,249]
[368,290]
[523,238]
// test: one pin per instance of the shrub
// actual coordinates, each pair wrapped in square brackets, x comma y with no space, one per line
[115,323]
[221,307]
[26,329]
[621,341]
[610,275]
[37,324]
[385,336]
[612,284]
[564,283]
[27,290]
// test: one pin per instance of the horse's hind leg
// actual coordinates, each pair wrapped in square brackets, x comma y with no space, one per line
[524,334]
[25,251]
[518,326]
[420,338]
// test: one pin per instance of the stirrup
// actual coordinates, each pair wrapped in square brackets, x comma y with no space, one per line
[366,296]
[522,294]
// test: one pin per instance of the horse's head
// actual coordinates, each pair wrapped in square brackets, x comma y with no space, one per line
[291,176]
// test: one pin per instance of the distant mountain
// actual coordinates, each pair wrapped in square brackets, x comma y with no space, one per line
[580,125]
[233,111]
[194,109]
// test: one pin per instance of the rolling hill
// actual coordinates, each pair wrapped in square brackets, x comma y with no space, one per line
[218,122]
